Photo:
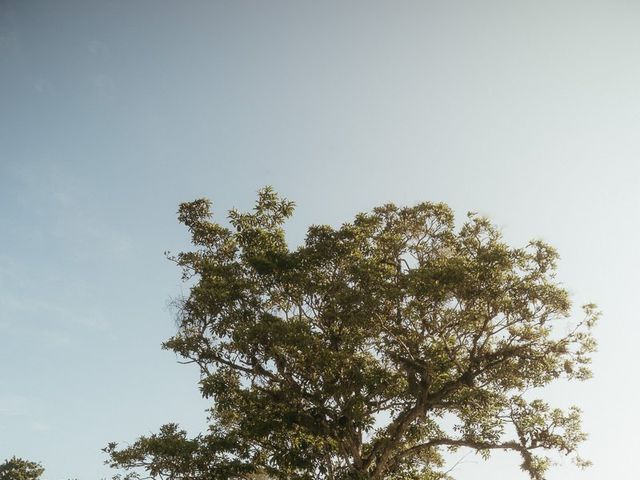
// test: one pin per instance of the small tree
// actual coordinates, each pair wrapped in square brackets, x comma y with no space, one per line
[369,350]
[18,469]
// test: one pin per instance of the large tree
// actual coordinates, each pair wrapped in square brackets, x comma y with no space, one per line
[19,469]
[368,351]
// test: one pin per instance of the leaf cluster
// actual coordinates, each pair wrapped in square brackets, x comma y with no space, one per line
[19,469]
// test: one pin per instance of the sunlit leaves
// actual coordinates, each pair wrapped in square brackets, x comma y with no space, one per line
[19,469]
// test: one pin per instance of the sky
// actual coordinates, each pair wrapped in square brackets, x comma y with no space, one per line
[114,112]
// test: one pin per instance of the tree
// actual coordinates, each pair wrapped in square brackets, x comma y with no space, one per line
[368,351]
[18,469]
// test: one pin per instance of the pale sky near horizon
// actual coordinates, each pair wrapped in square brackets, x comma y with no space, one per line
[113,112]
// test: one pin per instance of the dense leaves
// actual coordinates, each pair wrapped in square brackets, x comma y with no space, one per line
[18,469]
[368,350]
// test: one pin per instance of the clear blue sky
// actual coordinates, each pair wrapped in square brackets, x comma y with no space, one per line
[113,112]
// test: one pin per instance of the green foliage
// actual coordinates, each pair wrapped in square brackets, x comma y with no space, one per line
[18,469]
[171,453]
[369,350]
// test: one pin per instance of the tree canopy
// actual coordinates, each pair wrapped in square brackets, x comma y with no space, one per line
[369,350]
[18,469]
